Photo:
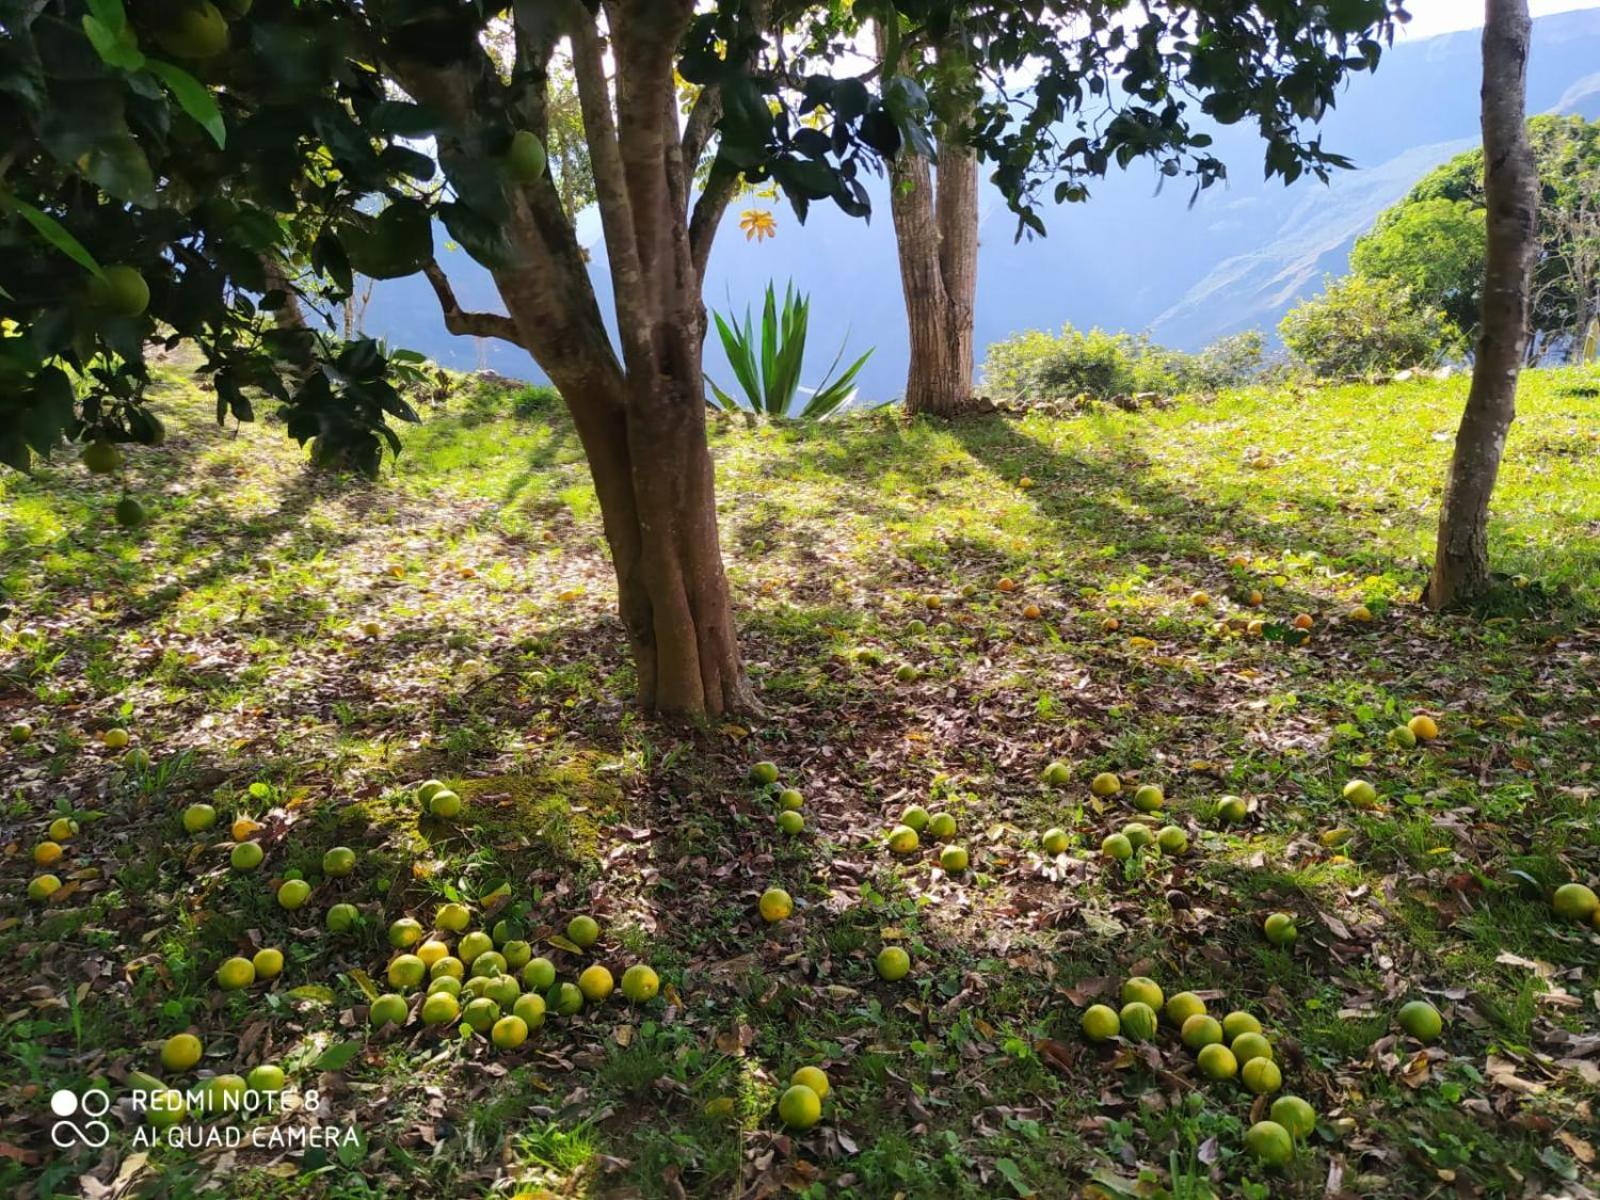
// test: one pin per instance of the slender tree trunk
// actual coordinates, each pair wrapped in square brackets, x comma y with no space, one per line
[1511,193]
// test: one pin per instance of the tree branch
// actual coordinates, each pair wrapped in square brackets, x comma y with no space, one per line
[471,324]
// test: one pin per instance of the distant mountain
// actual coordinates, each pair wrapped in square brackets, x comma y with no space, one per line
[1133,257]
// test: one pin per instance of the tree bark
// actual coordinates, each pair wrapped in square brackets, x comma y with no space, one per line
[936,238]
[1511,194]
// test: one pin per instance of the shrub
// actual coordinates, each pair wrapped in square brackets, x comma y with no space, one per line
[1036,366]
[1359,327]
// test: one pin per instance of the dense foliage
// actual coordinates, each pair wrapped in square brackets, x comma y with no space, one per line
[1036,366]
[1359,327]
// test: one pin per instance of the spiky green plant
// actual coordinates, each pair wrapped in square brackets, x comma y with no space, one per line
[768,367]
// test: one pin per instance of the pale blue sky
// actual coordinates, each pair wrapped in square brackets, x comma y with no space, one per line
[1441,16]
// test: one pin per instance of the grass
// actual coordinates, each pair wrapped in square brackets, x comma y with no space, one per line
[228,636]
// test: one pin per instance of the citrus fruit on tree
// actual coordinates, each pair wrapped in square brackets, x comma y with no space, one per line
[440,1008]
[181,1052]
[1238,1022]
[775,905]
[101,458]
[1181,1006]
[1260,1076]
[530,1008]
[893,964]
[406,971]
[293,893]
[42,887]
[902,839]
[198,817]
[1424,728]
[799,1107]
[1200,1031]
[246,856]
[942,825]
[1117,846]
[814,1078]
[539,974]
[1138,1021]
[1574,902]
[405,933]
[194,30]
[764,773]
[1100,1023]
[640,983]
[1057,774]
[1280,929]
[1421,1020]
[1054,841]
[915,817]
[268,962]
[1145,990]
[1270,1143]
[1295,1115]
[583,931]
[1105,784]
[268,1077]
[1250,1046]
[481,1014]
[509,1032]
[526,158]
[595,983]
[235,973]
[389,1009]
[339,861]
[1148,798]
[1216,1061]
[790,822]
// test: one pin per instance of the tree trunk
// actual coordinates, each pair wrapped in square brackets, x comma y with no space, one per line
[1511,193]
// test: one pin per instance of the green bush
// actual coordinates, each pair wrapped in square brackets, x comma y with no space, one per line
[1359,327]
[1036,366]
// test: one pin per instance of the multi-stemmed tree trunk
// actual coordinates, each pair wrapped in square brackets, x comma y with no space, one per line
[1511,195]
[641,414]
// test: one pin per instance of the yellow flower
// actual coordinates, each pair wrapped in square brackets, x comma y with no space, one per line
[758,224]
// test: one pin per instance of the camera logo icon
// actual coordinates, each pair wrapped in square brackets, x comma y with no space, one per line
[79,1122]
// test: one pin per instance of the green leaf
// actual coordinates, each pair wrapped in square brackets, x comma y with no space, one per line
[53,232]
[194,96]
[116,47]
[109,13]
[336,1057]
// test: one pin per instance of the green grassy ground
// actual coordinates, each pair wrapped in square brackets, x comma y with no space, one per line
[227,637]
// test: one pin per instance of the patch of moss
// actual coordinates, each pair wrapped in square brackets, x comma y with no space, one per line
[560,809]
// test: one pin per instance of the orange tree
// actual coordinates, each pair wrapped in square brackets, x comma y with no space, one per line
[169,169]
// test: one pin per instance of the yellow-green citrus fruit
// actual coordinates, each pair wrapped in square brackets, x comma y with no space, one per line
[1238,1022]
[1105,784]
[942,825]
[915,817]
[1054,841]
[814,1078]
[246,856]
[640,983]
[1100,1022]
[224,1094]
[1148,798]
[440,1008]
[100,458]
[1421,1020]
[406,971]
[1138,834]
[799,1107]
[405,933]
[339,861]
[453,917]
[180,1052]
[115,739]
[389,1009]
[1117,846]
[198,818]
[1402,736]
[1574,902]
[166,1108]
[953,859]
[268,1077]
[539,974]
[1423,728]
[445,804]
[47,854]
[42,887]
[790,800]
[293,893]
[236,973]
[430,951]
[1280,929]
[449,965]
[583,931]
[1180,1007]
[569,1000]
[1138,1021]
[790,822]
[502,989]
[517,954]
[530,1008]
[1216,1061]
[128,514]
[120,290]
[1172,840]
[1057,774]
[1260,1076]
[595,983]
[1361,793]
[1295,1115]
[196,30]
[526,158]
[893,964]
[902,839]
[1270,1142]
[775,905]
[764,773]
[1200,1030]
[1145,990]
[21,731]
[268,962]
[481,1014]
[473,944]
[509,1032]
[342,918]
[445,983]
[63,829]
[1249,1046]
[1232,809]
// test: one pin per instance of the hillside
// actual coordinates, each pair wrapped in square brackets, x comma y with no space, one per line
[1131,258]
[300,650]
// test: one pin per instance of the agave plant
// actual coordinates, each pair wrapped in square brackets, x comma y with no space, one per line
[768,369]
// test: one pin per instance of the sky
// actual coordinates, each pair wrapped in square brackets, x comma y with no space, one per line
[1441,16]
